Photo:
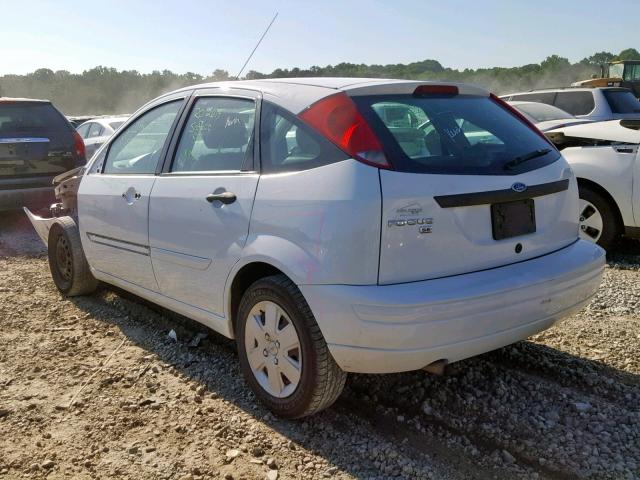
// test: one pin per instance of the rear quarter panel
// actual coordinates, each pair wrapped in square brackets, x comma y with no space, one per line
[319,226]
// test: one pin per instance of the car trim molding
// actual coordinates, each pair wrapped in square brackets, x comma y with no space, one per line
[119,244]
[498,196]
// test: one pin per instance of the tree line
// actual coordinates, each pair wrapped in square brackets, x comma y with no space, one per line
[103,90]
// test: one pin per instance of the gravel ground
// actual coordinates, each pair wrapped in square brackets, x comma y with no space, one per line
[93,387]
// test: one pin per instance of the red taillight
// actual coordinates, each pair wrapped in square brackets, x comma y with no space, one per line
[337,118]
[436,90]
[78,146]
[520,116]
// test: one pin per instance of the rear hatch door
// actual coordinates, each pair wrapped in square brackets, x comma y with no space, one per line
[35,140]
[472,186]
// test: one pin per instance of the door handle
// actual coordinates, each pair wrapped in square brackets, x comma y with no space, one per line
[131,195]
[223,197]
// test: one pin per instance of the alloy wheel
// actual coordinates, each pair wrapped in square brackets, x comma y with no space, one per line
[591,222]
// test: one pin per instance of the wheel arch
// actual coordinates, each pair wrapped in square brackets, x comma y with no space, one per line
[239,280]
[597,188]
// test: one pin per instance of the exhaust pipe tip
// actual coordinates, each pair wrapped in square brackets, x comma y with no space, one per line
[437,367]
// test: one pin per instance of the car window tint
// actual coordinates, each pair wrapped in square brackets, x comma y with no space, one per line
[576,103]
[137,149]
[541,97]
[31,119]
[218,136]
[451,134]
[83,130]
[622,101]
[287,144]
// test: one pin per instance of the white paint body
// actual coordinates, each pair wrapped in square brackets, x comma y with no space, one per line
[615,167]
[385,300]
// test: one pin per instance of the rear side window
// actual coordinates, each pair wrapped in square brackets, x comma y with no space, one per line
[218,136]
[30,119]
[289,145]
[622,101]
[138,148]
[576,103]
[453,135]
[83,130]
[541,97]
[96,130]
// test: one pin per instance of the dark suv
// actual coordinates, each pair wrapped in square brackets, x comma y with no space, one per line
[36,144]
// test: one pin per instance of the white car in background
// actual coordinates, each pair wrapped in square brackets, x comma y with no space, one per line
[588,103]
[96,131]
[546,117]
[331,225]
[604,158]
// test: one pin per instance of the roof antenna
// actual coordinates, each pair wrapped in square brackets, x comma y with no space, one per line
[257,45]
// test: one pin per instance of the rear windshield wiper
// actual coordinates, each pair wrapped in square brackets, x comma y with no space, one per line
[526,157]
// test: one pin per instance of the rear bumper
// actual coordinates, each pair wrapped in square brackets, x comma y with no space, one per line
[29,192]
[393,328]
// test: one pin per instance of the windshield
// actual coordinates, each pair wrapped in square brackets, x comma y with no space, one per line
[453,135]
[541,112]
[622,101]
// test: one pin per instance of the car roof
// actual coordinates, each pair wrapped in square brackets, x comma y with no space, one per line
[22,100]
[564,89]
[295,94]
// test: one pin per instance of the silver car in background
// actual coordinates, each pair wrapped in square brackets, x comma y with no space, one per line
[95,132]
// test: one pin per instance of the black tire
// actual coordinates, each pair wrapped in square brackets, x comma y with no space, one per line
[69,268]
[321,381]
[611,229]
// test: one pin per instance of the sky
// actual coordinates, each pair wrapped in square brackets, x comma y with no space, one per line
[202,35]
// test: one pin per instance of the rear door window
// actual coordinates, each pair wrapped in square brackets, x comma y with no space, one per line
[453,135]
[218,136]
[576,103]
[622,101]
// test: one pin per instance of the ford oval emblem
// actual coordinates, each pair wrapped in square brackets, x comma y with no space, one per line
[518,187]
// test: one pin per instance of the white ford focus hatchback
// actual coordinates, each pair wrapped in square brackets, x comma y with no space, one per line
[331,225]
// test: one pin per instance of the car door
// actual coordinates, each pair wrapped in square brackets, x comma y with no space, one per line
[113,199]
[201,203]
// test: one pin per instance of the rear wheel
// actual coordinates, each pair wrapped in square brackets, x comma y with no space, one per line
[68,265]
[283,354]
[598,221]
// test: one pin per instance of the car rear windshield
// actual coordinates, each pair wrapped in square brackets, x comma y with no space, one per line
[622,101]
[30,119]
[454,135]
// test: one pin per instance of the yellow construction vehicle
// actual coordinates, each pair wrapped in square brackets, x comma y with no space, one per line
[622,73]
